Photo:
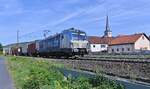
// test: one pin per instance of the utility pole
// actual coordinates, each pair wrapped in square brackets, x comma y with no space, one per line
[18,49]
[17,38]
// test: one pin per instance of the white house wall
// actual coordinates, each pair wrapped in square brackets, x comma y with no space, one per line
[119,48]
[142,43]
[98,48]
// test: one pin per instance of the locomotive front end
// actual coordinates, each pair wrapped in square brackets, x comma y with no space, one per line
[79,43]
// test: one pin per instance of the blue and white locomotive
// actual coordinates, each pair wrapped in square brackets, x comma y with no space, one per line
[68,43]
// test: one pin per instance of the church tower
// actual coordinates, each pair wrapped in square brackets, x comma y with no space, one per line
[108,32]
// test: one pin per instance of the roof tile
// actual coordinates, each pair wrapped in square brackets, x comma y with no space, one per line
[126,39]
[99,40]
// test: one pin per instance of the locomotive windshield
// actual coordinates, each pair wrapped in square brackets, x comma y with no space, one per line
[79,36]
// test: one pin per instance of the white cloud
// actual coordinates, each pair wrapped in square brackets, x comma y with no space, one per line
[70,16]
[81,11]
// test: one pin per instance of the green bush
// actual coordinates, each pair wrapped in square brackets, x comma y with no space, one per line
[38,74]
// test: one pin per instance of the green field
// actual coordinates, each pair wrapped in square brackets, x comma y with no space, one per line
[29,73]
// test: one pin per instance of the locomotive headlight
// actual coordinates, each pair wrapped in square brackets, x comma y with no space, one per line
[76,50]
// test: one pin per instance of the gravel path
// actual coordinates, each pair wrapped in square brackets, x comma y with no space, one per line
[5,79]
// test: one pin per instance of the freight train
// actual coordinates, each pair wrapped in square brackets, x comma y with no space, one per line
[68,43]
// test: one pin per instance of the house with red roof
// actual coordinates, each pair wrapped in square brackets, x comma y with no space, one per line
[129,43]
[120,44]
[100,44]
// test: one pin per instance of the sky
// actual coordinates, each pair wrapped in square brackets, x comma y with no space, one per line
[31,17]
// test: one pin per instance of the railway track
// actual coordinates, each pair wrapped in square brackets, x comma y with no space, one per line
[116,59]
[127,60]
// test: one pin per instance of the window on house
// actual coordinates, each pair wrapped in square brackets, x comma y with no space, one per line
[122,49]
[112,50]
[103,46]
[143,37]
[145,48]
[117,49]
[93,46]
[128,49]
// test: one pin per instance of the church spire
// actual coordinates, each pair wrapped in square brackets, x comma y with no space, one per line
[107,24]
[107,32]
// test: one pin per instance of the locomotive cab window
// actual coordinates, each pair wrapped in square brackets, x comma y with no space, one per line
[78,36]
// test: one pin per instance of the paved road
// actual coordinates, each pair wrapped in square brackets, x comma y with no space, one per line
[5,79]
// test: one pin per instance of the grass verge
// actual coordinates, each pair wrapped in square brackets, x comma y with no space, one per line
[29,73]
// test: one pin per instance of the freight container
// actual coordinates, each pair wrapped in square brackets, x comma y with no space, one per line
[33,48]
[16,51]
[24,47]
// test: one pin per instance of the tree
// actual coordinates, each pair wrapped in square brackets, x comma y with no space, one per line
[1,47]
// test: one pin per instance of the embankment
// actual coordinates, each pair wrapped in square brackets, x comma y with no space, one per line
[125,68]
